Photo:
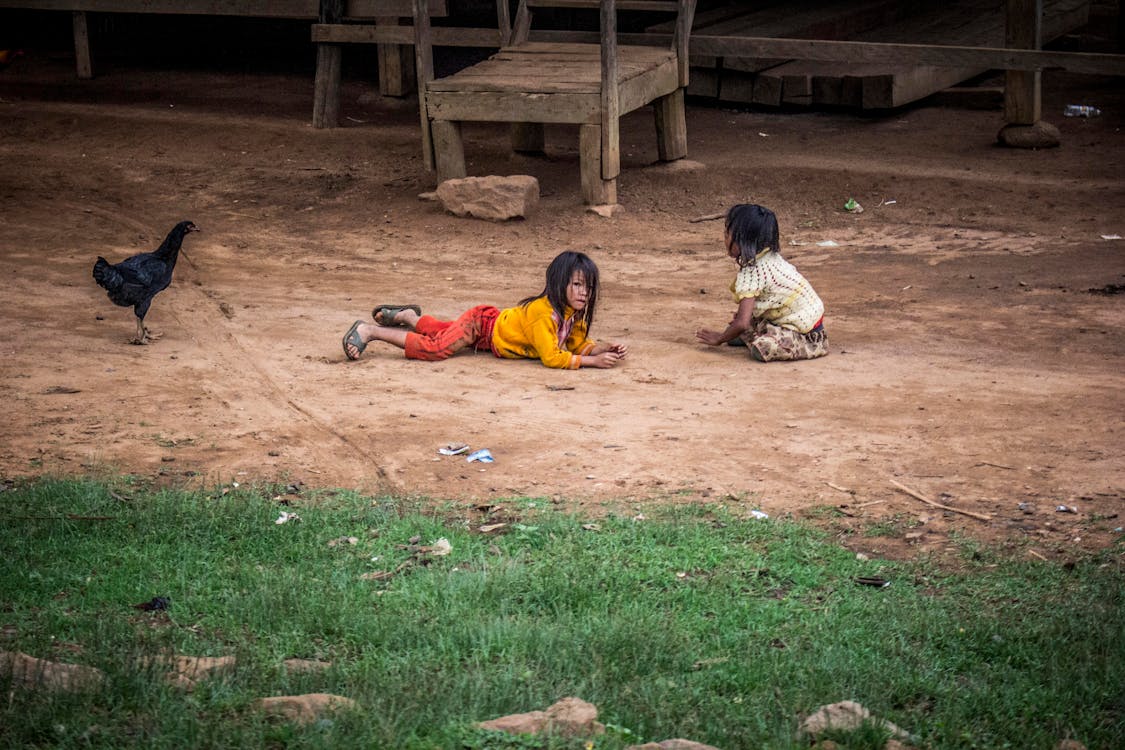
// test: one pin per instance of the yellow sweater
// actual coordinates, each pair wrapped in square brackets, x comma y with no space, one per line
[532,332]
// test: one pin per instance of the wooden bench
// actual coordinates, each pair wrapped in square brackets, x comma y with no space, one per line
[531,82]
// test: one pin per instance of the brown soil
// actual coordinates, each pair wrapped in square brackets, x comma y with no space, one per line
[972,361]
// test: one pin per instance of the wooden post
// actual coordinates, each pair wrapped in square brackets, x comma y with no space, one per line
[396,64]
[521,27]
[1023,103]
[685,17]
[503,21]
[326,93]
[424,65]
[611,104]
[671,126]
[449,150]
[595,190]
[82,45]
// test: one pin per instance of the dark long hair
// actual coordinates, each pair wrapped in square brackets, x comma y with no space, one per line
[560,271]
[752,228]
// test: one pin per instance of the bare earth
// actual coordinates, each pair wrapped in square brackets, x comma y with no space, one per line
[971,360]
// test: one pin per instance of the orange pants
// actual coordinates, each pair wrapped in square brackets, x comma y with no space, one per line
[435,340]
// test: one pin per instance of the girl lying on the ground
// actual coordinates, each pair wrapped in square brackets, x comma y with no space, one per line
[551,326]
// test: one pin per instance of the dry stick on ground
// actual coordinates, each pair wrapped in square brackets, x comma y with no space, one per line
[841,489]
[998,466]
[708,217]
[928,501]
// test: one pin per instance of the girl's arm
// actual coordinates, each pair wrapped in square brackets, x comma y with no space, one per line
[743,319]
[604,355]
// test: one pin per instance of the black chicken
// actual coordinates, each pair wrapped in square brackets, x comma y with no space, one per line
[137,279]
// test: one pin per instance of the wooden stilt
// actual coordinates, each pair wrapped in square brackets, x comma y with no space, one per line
[82,62]
[326,89]
[595,189]
[1023,104]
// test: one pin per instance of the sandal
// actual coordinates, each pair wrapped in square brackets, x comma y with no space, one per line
[388,312]
[353,338]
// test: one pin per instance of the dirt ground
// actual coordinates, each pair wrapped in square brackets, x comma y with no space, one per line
[973,309]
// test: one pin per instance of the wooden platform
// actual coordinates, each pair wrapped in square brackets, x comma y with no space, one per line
[565,78]
[776,83]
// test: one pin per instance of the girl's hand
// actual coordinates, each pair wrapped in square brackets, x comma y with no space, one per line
[605,360]
[610,346]
[621,349]
[709,337]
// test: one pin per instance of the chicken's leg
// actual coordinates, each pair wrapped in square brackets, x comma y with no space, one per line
[140,337]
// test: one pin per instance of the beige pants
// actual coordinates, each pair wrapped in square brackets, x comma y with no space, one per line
[770,343]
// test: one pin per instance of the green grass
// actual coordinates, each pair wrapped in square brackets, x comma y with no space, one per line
[696,622]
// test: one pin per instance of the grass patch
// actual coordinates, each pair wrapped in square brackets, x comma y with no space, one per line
[695,622]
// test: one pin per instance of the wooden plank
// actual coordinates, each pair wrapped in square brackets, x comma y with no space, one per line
[652,6]
[734,86]
[440,36]
[704,82]
[638,91]
[508,106]
[915,54]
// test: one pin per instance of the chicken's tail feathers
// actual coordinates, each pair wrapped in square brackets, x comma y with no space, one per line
[106,275]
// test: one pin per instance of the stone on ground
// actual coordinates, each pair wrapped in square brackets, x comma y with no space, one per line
[493,198]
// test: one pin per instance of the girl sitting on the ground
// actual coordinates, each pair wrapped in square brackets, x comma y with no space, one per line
[551,326]
[779,316]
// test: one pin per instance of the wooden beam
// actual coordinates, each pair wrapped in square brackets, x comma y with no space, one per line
[251,8]
[664,6]
[439,36]
[923,54]
[939,55]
